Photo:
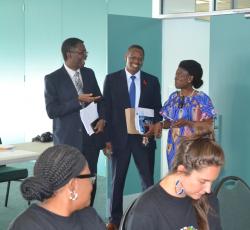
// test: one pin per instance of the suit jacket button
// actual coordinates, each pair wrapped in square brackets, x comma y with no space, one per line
[80,130]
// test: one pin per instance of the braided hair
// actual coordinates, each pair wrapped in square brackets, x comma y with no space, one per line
[54,168]
[195,153]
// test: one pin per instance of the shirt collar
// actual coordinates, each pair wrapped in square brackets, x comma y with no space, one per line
[71,72]
[137,75]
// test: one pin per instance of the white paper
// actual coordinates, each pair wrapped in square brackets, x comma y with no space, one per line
[141,114]
[88,115]
[6,147]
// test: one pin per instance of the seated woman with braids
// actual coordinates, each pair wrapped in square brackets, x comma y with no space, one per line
[63,183]
[183,199]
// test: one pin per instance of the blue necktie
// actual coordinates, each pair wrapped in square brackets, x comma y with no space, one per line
[132,92]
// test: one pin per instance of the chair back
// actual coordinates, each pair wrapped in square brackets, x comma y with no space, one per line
[233,194]
[123,223]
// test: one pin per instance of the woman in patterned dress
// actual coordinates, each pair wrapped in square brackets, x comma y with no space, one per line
[187,110]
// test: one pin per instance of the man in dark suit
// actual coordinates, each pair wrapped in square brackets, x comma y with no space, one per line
[67,91]
[117,94]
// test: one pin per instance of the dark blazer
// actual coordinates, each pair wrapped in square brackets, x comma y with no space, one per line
[63,107]
[117,100]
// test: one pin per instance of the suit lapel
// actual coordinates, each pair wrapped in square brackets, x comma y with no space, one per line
[67,80]
[66,77]
[124,88]
[84,81]
[143,87]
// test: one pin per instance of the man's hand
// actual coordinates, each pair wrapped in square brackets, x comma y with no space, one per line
[158,129]
[99,126]
[150,131]
[108,150]
[87,98]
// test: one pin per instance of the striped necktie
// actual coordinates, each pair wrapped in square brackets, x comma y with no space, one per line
[77,82]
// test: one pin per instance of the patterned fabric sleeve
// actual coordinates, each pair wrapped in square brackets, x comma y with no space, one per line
[167,109]
[206,106]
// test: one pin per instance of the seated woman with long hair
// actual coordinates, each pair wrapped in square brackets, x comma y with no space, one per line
[183,199]
[62,183]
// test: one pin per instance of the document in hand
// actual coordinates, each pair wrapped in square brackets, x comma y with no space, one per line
[88,116]
[137,119]
[143,118]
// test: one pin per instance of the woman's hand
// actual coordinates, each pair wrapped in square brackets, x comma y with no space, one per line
[182,122]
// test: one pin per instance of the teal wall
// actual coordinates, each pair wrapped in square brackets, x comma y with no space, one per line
[31,35]
[230,89]
[122,32]
[12,70]
[139,8]
[30,47]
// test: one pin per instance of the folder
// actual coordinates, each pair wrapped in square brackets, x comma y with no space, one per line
[137,118]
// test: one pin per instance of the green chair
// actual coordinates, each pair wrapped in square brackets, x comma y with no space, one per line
[8,174]
[233,194]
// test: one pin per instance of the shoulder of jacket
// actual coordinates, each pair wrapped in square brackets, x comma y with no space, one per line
[115,74]
[86,69]
[55,73]
[148,75]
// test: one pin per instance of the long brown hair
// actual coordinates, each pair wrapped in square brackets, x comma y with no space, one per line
[194,154]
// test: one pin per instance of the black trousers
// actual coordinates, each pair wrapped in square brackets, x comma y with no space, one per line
[120,162]
[92,154]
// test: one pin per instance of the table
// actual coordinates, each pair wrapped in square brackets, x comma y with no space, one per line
[23,152]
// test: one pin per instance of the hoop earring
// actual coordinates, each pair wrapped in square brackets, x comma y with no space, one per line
[73,195]
[179,190]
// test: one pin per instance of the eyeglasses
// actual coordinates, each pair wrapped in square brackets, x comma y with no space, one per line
[91,177]
[82,53]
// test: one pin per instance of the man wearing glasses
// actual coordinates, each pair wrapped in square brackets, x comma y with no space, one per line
[67,91]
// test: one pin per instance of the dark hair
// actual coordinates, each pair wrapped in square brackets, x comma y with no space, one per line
[197,153]
[135,46]
[194,69]
[54,168]
[68,44]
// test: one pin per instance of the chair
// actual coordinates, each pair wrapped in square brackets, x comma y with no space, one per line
[233,194]
[8,174]
[123,222]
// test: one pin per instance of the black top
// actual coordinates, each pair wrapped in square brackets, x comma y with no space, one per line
[38,218]
[158,210]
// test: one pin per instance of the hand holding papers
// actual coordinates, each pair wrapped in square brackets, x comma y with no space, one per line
[88,116]
[138,121]
[143,118]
